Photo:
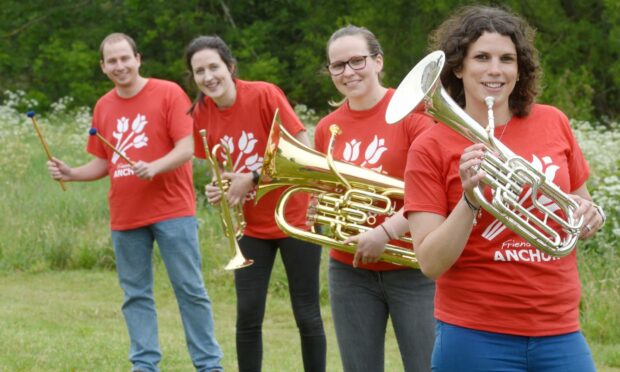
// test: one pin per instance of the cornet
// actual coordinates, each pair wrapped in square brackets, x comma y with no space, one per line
[233,221]
[507,174]
[348,197]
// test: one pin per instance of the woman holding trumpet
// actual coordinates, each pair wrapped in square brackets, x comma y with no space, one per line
[501,304]
[364,292]
[239,114]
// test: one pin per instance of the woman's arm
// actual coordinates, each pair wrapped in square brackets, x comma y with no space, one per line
[439,241]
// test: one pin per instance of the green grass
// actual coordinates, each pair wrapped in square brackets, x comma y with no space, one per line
[60,303]
[71,321]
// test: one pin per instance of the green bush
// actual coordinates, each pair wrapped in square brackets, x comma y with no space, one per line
[51,51]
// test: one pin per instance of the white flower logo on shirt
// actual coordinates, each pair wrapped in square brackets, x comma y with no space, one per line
[351,150]
[374,151]
[372,154]
[254,162]
[244,156]
[546,167]
[229,143]
[122,125]
[247,142]
[125,143]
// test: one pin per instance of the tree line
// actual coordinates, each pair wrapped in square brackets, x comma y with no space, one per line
[49,48]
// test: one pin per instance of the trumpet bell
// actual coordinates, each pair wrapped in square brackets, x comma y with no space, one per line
[238,261]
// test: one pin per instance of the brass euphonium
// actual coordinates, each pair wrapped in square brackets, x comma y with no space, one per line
[233,221]
[348,198]
[507,174]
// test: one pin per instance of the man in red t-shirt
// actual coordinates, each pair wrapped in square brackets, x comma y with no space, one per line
[151,199]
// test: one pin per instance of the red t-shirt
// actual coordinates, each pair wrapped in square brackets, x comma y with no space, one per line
[501,283]
[244,128]
[144,127]
[369,142]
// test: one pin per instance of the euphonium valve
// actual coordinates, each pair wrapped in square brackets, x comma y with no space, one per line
[346,198]
[511,178]
[232,220]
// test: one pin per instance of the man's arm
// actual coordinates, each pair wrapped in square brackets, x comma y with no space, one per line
[93,170]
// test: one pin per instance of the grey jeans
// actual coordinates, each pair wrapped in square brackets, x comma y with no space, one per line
[361,302]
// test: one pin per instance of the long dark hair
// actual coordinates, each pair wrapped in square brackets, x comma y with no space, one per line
[213,42]
[457,33]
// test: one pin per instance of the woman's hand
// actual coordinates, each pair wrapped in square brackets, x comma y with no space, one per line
[240,185]
[213,193]
[592,218]
[469,170]
[370,245]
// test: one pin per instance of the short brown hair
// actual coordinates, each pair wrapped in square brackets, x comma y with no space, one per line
[115,37]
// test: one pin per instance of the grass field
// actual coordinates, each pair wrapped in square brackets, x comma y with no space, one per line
[60,302]
[71,321]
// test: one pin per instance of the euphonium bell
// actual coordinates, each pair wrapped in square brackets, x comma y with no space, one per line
[233,221]
[348,198]
[508,175]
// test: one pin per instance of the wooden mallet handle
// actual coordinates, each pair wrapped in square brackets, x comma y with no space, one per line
[93,132]
[31,115]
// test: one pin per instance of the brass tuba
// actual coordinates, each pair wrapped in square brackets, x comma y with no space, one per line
[507,174]
[348,197]
[233,221]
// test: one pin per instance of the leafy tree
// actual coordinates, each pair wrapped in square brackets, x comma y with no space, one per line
[49,48]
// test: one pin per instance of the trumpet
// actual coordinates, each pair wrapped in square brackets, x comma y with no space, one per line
[233,221]
[507,174]
[348,197]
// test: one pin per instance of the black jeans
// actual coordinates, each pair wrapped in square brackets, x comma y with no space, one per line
[301,262]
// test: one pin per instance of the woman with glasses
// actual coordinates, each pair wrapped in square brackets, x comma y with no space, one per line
[365,292]
[239,114]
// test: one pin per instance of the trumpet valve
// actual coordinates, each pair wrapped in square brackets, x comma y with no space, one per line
[311,213]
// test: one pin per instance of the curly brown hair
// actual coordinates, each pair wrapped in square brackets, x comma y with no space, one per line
[465,26]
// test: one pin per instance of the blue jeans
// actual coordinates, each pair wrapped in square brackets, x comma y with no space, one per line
[468,350]
[301,262]
[362,300]
[177,239]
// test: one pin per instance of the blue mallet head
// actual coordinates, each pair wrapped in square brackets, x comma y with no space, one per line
[92,131]
[30,114]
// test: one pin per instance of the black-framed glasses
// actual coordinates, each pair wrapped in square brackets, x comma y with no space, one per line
[356,63]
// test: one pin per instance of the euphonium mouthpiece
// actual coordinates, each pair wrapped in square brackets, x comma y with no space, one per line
[489,101]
